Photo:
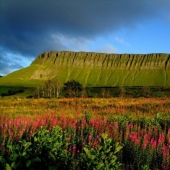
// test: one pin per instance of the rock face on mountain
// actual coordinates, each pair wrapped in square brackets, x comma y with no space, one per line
[120,61]
[97,69]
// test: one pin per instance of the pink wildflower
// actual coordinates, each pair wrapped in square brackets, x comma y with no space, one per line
[116,125]
[74,148]
[89,138]
[153,143]
[168,131]
[144,145]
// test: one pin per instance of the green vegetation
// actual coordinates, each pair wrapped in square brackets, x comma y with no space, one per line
[92,92]
[68,136]
[50,89]
[55,148]
[95,69]
[73,89]
[16,91]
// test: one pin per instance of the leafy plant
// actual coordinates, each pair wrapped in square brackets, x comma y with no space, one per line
[45,150]
[18,155]
[102,157]
[88,116]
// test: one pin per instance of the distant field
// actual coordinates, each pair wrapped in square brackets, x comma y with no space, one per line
[113,107]
[16,91]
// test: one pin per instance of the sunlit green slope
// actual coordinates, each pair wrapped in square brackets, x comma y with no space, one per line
[95,69]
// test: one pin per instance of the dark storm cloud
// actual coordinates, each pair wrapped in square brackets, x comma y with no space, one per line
[27,27]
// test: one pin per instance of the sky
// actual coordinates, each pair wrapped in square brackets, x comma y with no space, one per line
[31,27]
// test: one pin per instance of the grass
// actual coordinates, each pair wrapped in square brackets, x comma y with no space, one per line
[4,89]
[113,107]
[167,77]
[74,73]
[103,77]
[81,77]
[93,76]
[94,69]
[20,91]
[97,76]
[128,78]
[113,77]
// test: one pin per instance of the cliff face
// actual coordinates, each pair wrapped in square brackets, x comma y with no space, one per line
[101,60]
[96,69]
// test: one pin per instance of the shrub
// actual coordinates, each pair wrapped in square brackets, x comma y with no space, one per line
[103,156]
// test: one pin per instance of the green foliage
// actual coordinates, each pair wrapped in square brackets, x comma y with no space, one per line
[19,155]
[45,150]
[12,91]
[88,116]
[48,149]
[122,92]
[145,91]
[145,167]
[102,157]
[73,88]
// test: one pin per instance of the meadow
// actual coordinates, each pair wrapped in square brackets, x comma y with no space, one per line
[85,133]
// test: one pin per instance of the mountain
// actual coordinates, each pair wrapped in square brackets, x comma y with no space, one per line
[95,69]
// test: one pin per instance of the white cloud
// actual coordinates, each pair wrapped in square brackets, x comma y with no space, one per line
[5,71]
[107,48]
[83,44]
[73,43]
[10,62]
[122,41]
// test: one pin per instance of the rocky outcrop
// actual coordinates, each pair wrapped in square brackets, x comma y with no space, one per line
[102,60]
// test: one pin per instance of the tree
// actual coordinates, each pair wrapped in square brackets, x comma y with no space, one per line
[122,91]
[73,88]
[88,90]
[37,92]
[145,91]
[105,93]
[84,92]
[56,86]
[48,88]
[51,88]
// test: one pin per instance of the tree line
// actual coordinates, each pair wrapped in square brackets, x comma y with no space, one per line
[52,89]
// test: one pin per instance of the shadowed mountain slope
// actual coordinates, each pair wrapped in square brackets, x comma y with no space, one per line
[95,69]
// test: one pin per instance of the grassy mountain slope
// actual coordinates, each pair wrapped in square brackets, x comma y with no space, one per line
[95,69]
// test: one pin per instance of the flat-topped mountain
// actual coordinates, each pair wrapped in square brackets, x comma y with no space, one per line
[87,59]
[95,69]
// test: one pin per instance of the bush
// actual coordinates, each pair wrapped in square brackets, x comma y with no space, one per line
[73,88]
[102,157]
[44,150]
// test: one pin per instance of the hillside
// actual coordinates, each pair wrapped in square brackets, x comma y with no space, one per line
[95,69]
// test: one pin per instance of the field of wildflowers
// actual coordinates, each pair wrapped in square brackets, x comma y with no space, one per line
[85,134]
